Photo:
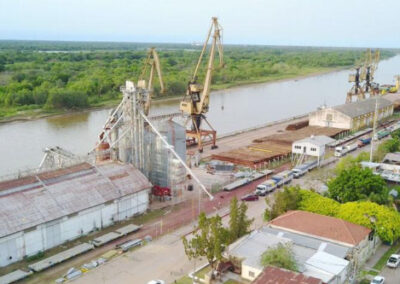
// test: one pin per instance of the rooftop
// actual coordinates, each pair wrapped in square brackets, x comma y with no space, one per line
[36,199]
[274,275]
[325,266]
[252,246]
[392,157]
[329,228]
[310,242]
[359,108]
[319,140]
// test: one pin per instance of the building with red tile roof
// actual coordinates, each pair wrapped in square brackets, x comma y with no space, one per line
[326,227]
[274,275]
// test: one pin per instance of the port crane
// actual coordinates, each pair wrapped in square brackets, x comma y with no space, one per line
[356,90]
[367,75]
[145,88]
[364,72]
[196,101]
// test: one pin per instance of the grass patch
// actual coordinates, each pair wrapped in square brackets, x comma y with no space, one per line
[184,280]
[201,273]
[382,261]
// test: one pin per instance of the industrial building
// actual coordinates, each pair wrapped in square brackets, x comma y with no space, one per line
[352,116]
[43,210]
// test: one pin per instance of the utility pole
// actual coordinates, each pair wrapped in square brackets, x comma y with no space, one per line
[374,129]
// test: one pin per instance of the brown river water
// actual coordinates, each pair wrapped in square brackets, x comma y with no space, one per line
[21,143]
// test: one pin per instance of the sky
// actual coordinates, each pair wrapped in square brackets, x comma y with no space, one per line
[353,23]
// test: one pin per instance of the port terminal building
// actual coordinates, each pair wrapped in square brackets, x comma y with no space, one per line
[352,116]
[43,210]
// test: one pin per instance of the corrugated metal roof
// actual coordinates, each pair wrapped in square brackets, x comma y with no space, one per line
[63,192]
[392,157]
[310,242]
[252,246]
[319,140]
[358,108]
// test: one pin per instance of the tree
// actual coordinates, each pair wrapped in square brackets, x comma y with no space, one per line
[209,240]
[280,256]
[356,183]
[285,200]
[350,161]
[388,146]
[239,224]
[383,220]
[313,202]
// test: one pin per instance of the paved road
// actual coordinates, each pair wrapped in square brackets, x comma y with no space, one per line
[391,275]
[162,259]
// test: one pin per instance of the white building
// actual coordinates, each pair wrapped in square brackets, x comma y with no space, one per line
[353,115]
[312,146]
[42,211]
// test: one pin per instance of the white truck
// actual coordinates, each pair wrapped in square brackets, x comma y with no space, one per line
[343,150]
[282,178]
[299,171]
[265,187]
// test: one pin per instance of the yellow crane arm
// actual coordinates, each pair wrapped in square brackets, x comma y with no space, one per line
[205,96]
[153,61]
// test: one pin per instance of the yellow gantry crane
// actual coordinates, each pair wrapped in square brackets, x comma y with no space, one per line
[153,62]
[197,99]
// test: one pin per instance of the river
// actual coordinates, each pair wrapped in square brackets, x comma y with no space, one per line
[22,143]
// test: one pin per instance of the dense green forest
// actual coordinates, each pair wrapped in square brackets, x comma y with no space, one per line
[49,76]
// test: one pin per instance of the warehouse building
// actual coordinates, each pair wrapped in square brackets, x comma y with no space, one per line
[44,210]
[351,116]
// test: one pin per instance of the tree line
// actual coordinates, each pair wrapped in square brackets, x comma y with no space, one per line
[77,75]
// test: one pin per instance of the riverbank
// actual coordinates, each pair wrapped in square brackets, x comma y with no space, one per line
[14,115]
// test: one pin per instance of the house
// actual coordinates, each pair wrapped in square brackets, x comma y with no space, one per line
[359,239]
[274,275]
[352,116]
[44,210]
[248,251]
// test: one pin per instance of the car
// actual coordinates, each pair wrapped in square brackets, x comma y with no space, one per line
[250,197]
[378,280]
[393,261]
[156,282]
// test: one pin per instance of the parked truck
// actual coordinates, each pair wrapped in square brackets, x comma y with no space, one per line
[343,150]
[364,141]
[282,178]
[299,171]
[302,169]
[265,187]
[382,134]
[311,165]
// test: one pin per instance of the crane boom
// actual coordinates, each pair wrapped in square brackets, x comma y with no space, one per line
[153,61]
